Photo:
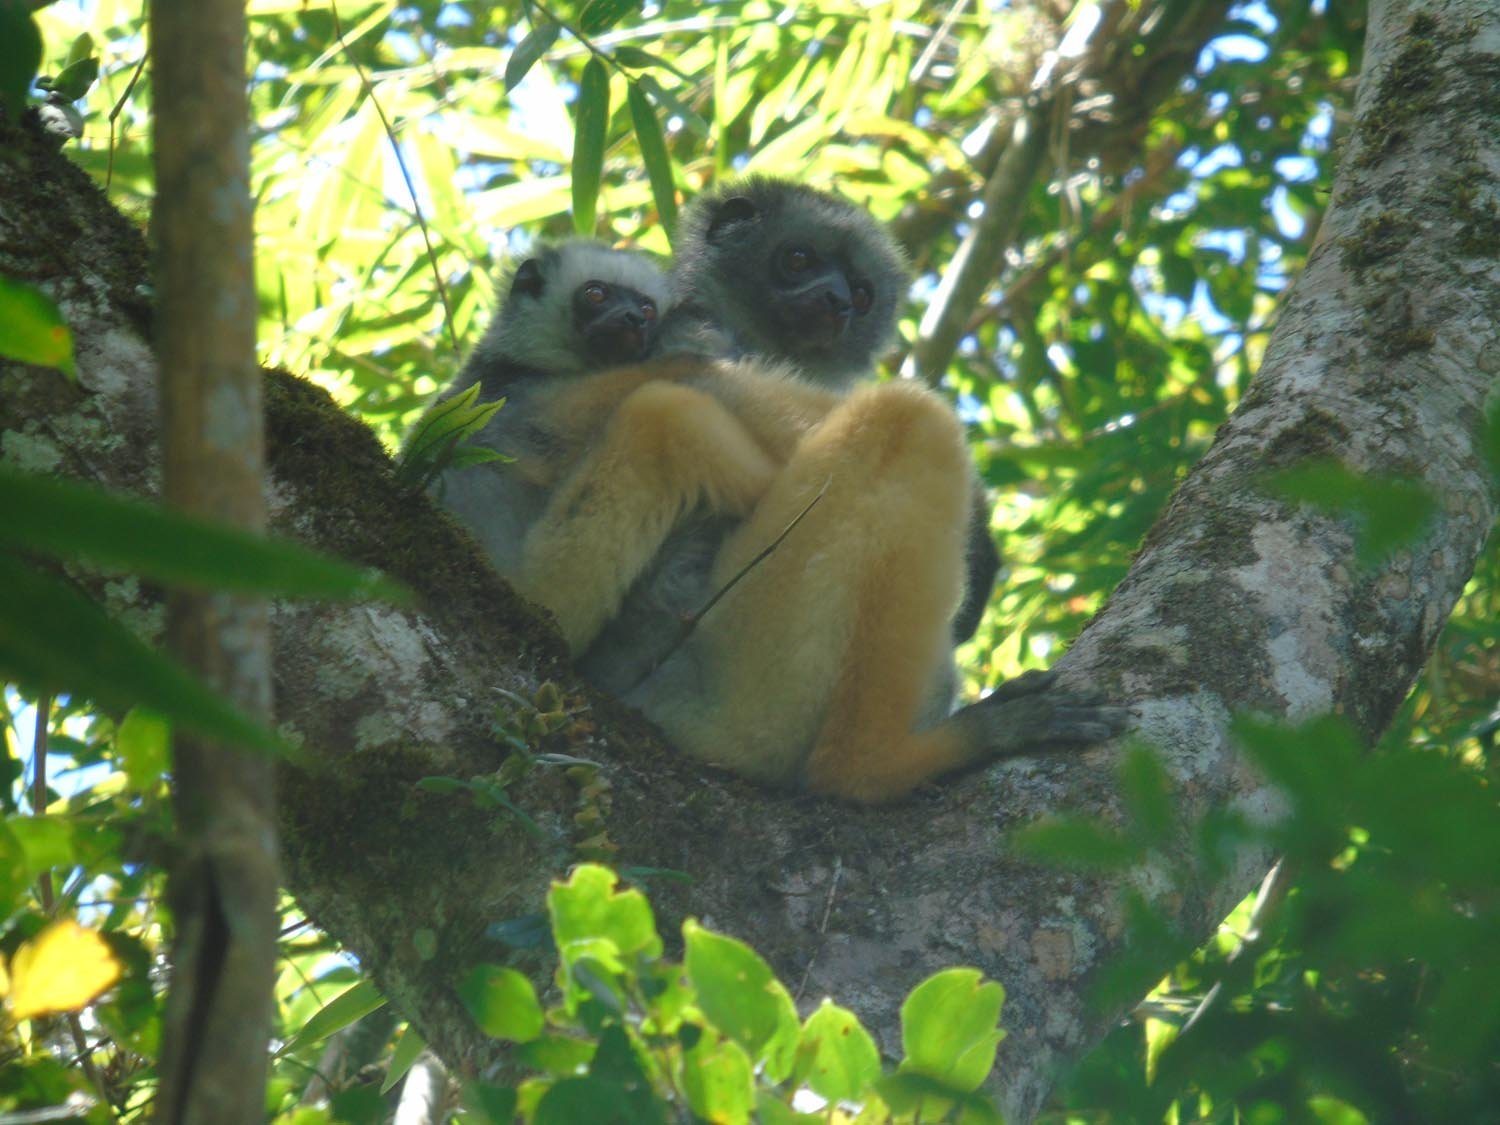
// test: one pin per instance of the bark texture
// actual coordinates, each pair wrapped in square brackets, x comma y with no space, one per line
[1383,357]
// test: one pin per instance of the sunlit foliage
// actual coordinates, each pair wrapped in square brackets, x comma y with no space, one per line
[403,151]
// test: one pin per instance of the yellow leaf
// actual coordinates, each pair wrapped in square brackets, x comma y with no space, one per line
[60,970]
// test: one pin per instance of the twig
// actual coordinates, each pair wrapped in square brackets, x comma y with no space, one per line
[39,784]
[939,37]
[109,167]
[1273,890]
[833,886]
[44,880]
[690,622]
[411,190]
[759,558]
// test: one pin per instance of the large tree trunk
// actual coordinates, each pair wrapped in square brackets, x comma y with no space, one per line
[1239,601]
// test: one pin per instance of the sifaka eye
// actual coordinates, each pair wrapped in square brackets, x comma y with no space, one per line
[861,298]
[648,309]
[797,259]
[595,292]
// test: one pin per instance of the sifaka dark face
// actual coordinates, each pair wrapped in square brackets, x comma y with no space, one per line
[815,298]
[795,273]
[616,323]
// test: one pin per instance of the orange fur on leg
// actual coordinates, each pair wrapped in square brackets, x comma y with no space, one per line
[666,448]
[816,666]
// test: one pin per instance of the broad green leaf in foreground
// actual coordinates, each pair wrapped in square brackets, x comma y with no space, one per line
[60,970]
[837,1057]
[741,996]
[34,328]
[54,637]
[588,907]
[948,1028]
[502,1002]
[75,521]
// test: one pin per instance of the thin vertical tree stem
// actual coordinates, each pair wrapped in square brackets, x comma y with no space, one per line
[222,887]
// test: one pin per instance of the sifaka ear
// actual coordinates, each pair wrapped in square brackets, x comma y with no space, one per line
[528,281]
[734,210]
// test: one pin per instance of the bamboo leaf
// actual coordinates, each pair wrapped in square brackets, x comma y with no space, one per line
[403,1056]
[354,1003]
[54,637]
[528,51]
[600,15]
[654,152]
[590,130]
[664,97]
[74,521]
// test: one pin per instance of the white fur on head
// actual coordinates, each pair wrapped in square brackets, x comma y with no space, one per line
[537,331]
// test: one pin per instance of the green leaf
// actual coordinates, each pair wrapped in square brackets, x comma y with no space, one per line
[15,875]
[573,1101]
[596,979]
[618,1063]
[487,795]
[20,55]
[1490,437]
[917,1097]
[144,743]
[1389,513]
[54,637]
[717,1077]
[654,152]
[528,51]
[352,1004]
[555,1054]
[34,328]
[75,521]
[79,71]
[1328,1110]
[588,907]
[436,442]
[502,1002]
[403,1057]
[661,96]
[1159,1035]
[948,1028]
[46,841]
[739,994]
[488,1105]
[527,931]
[1075,842]
[1148,795]
[80,49]
[471,455]
[637,59]
[590,131]
[600,15]
[837,1058]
